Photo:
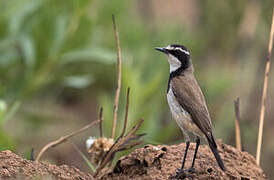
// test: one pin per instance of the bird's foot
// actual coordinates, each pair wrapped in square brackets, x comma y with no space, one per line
[183,173]
[180,174]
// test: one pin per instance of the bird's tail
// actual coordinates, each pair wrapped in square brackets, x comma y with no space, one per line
[213,146]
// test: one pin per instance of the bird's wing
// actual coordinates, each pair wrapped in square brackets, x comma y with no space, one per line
[190,97]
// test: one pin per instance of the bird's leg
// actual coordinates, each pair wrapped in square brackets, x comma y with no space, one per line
[181,173]
[192,169]
[186,150]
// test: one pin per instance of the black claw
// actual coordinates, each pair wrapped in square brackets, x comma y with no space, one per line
[180,174]
[183,173]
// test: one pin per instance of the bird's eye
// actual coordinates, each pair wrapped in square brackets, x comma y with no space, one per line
[169,47]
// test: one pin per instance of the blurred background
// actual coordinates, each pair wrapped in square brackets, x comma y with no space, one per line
[58,65]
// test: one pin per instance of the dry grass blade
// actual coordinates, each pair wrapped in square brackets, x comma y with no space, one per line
[92,168]
[237,124]
[266,76]
[64,138]
[119,74]
[101,121]
[122,143]
[130,145]
[135,128]
[126,115]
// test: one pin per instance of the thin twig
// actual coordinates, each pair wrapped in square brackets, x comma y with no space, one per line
[64,138]
[237,124]
[119,74]
[130,146]
[126,115]
[136,127]
[266,76]
[101,121]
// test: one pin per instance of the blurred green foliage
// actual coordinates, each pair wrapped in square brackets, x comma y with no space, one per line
[51,48]
[45,46]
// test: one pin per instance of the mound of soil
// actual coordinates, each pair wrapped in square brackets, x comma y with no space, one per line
[14,167]
[149,162]
[161,162]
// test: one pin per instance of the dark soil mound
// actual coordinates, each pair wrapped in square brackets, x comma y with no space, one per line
[160,162]
[14,167]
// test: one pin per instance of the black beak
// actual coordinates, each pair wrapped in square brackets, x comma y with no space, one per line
[164,50]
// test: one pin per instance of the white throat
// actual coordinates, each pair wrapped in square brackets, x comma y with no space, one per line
[173,68]
[174,63]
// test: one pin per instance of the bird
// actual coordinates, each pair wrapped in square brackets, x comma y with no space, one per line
[187,104]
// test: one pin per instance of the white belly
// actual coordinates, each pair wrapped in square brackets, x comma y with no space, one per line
[181,116]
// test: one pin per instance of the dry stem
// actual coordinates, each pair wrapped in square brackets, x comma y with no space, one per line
[126,115]
[119,74]
[32,154]
[266,76]
[101,121]
[64,138]
[237,124]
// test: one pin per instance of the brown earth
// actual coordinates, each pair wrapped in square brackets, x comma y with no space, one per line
[149,162]
[15,167]
[161,162]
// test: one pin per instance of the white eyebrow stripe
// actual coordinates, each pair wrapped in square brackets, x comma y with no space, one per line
[177,48]
[186,52]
